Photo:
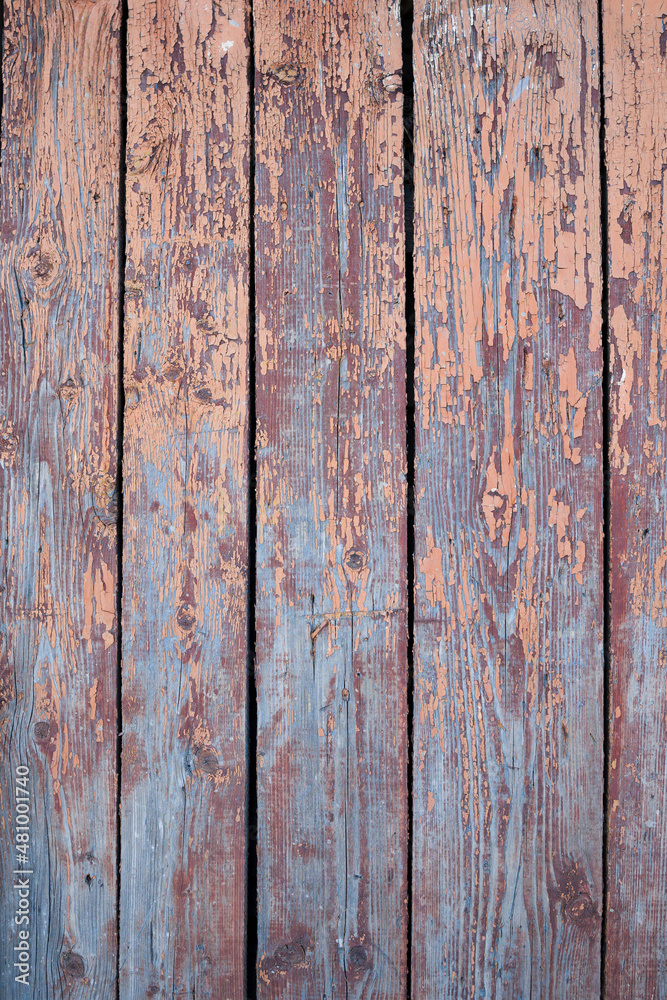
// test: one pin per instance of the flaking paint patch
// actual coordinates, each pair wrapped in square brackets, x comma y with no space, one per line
[572,399]
[100,603]
[499,499]
[626,347]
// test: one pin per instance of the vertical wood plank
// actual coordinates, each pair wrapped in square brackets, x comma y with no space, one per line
[331,556]
[185,502]
[508,599]
[635,82]
[58,557]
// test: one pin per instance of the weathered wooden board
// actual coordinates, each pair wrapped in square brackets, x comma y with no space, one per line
[58,426]
[183,829]
[331,545]
[635,83]
[509,599]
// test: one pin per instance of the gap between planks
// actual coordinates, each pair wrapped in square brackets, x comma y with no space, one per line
[251,699]
[122,223]
[606,508]
[407,28]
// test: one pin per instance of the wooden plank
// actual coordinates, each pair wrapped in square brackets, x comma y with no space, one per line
[635,83]
[331,547]
[58,511]
[508,551]
[183,831]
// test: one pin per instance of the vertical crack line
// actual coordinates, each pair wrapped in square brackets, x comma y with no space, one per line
[347,801]
[606,504]
[122,181]
[252,912]
[407,23]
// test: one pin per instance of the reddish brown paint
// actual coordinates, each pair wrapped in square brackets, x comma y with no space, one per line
[331,545]
[508,549]
[182,921]
[58,426]
[635,39]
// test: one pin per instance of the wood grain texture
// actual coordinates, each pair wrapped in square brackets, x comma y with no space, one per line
[183,826]
[58,427]
[331,545]
[635,82]
[508,601]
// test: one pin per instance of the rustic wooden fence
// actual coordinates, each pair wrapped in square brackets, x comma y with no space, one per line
[333,651]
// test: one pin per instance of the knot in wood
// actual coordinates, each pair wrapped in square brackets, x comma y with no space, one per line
[68,390]
[8,441]
[355,560]
[105,499]
[204,394]
[206,759]
[73,965]
[173,371]
[287,74]
[42,730]
[131,398]
[186,617]
[43,264]
[289,955]
[42,267]
[358,957]
[580,908]
[392,83]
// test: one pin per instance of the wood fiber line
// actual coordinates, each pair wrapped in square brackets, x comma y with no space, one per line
[183,824]
[331,502]
[508,550]
[635,84]
[58,426]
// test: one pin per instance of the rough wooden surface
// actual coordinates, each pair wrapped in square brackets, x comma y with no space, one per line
[508,749]
[635,82]
[508,603]
[331,546]
[183,826]
[58,424]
